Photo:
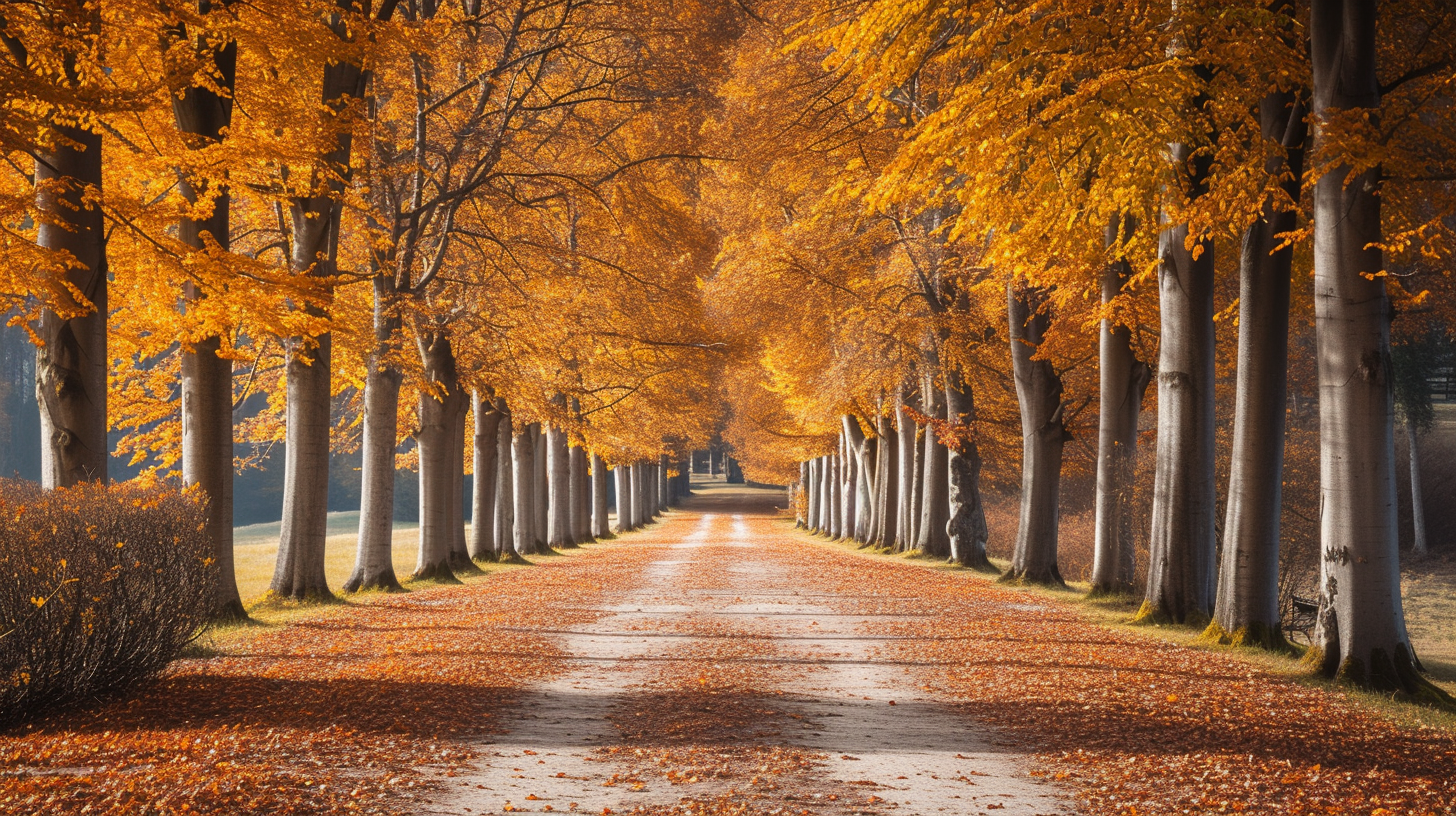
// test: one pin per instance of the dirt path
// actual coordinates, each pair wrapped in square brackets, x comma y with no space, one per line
[725,681]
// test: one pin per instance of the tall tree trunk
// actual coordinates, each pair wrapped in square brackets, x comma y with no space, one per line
[70,363]
[811,487]
[1181,546]
[907,469]
[933,539]
[505,488]
[482,544]
[801,517]
[203,116]
[581,500]
[1418,504]
[434,439]
[887,483]
[835,496]
[623,474]
[1123,382]
[523,474]
[374,560]
[460,560]
[1246,609]
[1362,637]
[966,527]
[558,464]
[849,484]
[600,526]
[1043,434]
[663,485]
[861,505]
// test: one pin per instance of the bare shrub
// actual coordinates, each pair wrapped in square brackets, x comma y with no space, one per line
[102,587]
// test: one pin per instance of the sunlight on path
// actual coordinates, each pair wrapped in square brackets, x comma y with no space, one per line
[717,683]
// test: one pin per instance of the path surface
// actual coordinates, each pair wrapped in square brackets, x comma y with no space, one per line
[724,679]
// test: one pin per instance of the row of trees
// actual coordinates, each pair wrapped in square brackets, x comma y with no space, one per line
[952,190]
[370,215]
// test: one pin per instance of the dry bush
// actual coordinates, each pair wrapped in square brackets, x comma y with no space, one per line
[103,586]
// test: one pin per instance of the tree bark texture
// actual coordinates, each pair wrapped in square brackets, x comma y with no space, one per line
[558,464]
[966,528]
[374,559]
[1123,380]
[1362,632]
[887,482]
[623,475]
[904,536]
[434,437]
[664,487]
[523,475]
[581,499]
[601,527]
[1246,608]
[70,363]
[1419,545]
[1181,545]
[505,488]
[203,116]
[482,543]
[933,539]
[1043,435]
[541,492]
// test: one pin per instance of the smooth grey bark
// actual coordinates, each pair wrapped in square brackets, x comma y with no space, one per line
[1419,545]
[802,516]
[932,538]
[541,492]
[558,478]
[623,476]
[70,363]
[811,488]
[437,459]
[203,116]
[849,485]
[482,542]
[313,251]
[374,557]
[826,495]
[664,487]
[857,449]
[523,475]
[601,527]
[908,512]
[1043,435]
[836,497]
[1361,636]
[460,560]
[505,488]
[887,482]
[581,499]
[1246,608]
[966,528]
[1181,546]
[1123,380]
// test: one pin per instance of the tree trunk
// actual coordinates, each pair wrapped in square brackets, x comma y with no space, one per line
[811,494]
[541,493]
[1123,382]
[1246,610]
[1181,546]
[849,484]
[1418,504]
[505,488]
[70,363]
[558,464]
[623,474]
[887,482]
[581,501]
[600,526]
[482,543]
[861,505]
[374,560]
[1039,395]
[935,505]
[966,527]
[439,498]
[663,485]
[833,502]
[801,517]
[203,116]
[460,560]
[906,428]
[1362,633]
[523,474]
